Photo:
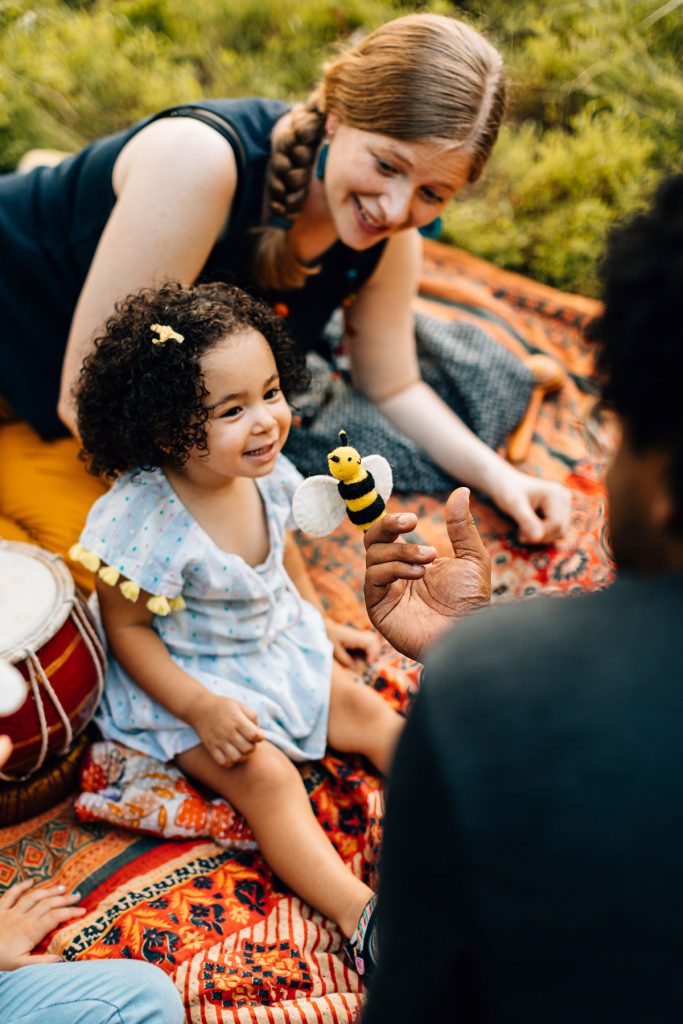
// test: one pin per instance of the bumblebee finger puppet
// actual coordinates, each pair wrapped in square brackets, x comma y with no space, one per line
[360,487]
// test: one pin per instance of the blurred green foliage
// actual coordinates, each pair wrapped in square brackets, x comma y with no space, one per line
[595,113]
[595,120]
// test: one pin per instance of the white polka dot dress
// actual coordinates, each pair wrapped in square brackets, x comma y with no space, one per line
[245,632]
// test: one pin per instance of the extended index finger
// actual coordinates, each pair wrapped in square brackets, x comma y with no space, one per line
[389,529]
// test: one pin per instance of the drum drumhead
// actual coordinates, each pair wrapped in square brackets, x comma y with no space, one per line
[36,595]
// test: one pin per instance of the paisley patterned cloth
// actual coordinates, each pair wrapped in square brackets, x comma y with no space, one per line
[125,788]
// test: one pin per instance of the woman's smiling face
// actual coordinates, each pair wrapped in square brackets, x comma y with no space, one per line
[376,185]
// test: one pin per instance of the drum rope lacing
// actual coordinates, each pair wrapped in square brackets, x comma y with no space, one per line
[92,642]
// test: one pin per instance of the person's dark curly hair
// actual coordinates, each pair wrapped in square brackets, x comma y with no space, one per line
[640,353]
[141,405]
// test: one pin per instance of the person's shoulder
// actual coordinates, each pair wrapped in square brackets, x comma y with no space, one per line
[141,529]
[557,617]
[252,118]
[142,485]
[254,107]
[133,497]
[556,645]
[496,652]
[518,626]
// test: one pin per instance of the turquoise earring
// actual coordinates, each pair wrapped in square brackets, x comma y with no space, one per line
[321,163]
[433,229]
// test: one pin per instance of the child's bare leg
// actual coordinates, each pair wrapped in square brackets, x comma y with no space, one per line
[270,793]
[361,722]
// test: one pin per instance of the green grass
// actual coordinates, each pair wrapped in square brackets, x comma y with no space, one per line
[595,113]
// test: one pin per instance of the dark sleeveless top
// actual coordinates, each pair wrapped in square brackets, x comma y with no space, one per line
[51,221]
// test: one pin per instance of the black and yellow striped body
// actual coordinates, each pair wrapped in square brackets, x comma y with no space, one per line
[364,506]
[356,484]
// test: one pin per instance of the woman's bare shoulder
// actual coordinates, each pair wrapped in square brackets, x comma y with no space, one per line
[181,145]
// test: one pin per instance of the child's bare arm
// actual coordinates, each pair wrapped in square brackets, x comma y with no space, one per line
[344,638]
[298,573]
[228,729]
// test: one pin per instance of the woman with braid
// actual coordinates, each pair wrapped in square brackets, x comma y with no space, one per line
[309,207]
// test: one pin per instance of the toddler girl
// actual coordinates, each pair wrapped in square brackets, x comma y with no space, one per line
[219,656]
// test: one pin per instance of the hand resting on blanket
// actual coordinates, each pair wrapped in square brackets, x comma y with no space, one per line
[413,597]
[27,915]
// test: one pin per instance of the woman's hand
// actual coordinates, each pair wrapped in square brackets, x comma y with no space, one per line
[412,596]
[228,729]
[348,638]
[26,917]
[541,508]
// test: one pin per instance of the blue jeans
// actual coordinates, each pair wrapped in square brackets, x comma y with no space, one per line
[89,992]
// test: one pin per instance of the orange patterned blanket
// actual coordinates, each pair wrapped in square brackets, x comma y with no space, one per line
[239,947]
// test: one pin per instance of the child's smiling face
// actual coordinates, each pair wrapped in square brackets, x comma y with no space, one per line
[249,416]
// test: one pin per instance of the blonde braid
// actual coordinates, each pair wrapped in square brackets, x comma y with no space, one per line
[274,261]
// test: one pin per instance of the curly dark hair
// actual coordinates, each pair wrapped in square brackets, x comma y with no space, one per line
[640,354]
[142,405]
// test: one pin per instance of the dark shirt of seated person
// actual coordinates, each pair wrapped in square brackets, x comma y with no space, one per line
[534,829]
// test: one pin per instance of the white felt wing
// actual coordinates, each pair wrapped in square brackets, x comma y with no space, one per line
[381,471]
[317,507]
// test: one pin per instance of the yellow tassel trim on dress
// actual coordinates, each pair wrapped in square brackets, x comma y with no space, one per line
[130,590]
[87,558]
[158,604]
[108,574]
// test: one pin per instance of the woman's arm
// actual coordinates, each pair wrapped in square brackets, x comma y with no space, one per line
[227,728]
[175,182]
[384,364]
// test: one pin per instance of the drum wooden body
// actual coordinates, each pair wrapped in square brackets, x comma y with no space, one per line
[45,788]
[47,633]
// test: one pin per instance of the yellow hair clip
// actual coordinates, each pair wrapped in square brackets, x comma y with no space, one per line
[165,333]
